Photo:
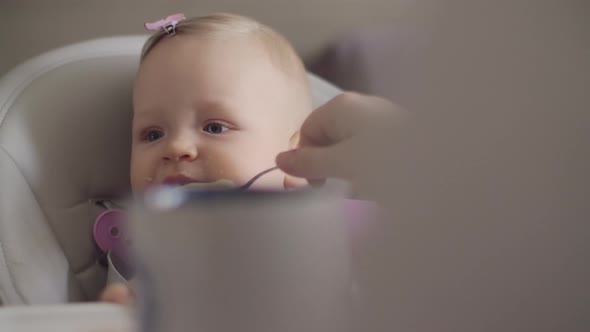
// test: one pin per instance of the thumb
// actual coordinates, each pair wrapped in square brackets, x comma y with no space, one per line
[312,163]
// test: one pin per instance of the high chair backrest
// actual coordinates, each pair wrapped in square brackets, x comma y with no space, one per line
[65,118]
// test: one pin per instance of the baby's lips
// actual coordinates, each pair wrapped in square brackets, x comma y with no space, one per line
[179,180]
[219,184]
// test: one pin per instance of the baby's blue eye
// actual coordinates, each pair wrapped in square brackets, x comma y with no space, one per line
[153,135]
[215,128]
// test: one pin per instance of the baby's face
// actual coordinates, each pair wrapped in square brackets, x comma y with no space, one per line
[206,110]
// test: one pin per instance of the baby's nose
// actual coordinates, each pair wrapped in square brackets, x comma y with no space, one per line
[181,149]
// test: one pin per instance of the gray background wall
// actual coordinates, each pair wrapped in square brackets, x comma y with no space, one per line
[29,27]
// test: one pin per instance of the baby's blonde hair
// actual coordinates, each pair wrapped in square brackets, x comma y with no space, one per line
[281,52]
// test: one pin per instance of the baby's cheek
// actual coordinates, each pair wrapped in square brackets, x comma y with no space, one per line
[240,162]
[140,177]
[139,184]
[222,167]
[238,168]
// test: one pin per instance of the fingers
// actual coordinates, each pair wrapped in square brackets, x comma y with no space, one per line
[342,118]
[328,144]
[314,163]
[117,294]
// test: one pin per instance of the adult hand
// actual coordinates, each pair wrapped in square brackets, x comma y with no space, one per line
[346,138]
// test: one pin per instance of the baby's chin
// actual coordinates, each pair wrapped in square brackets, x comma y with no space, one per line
[221,184]
[215,185]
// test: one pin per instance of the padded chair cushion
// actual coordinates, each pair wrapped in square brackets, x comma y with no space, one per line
[65,118]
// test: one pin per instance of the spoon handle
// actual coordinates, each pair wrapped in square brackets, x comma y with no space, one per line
[256,177]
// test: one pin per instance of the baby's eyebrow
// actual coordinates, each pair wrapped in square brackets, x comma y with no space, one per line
[143,119]
[146,114]
[146,111]
[215,108]
[212,105]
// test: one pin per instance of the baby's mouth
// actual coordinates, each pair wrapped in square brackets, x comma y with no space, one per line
[219,184]
[190,183]
[178,180]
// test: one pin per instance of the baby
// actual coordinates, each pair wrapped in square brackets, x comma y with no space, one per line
[216,97]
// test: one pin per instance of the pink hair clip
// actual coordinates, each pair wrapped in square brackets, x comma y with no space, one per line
[168,24]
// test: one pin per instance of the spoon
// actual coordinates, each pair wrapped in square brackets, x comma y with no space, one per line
[248,184]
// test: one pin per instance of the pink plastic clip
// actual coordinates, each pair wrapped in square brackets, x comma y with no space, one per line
[168,24]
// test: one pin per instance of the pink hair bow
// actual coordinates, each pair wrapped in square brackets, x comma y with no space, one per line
[168,24]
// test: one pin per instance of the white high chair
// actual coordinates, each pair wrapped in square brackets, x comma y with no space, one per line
[64,143]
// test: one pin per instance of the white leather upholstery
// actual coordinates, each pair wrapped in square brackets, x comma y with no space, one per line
[64,141]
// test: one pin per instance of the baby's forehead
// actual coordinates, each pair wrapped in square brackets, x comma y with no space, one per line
[187,50]
[276,52]
[217,106]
